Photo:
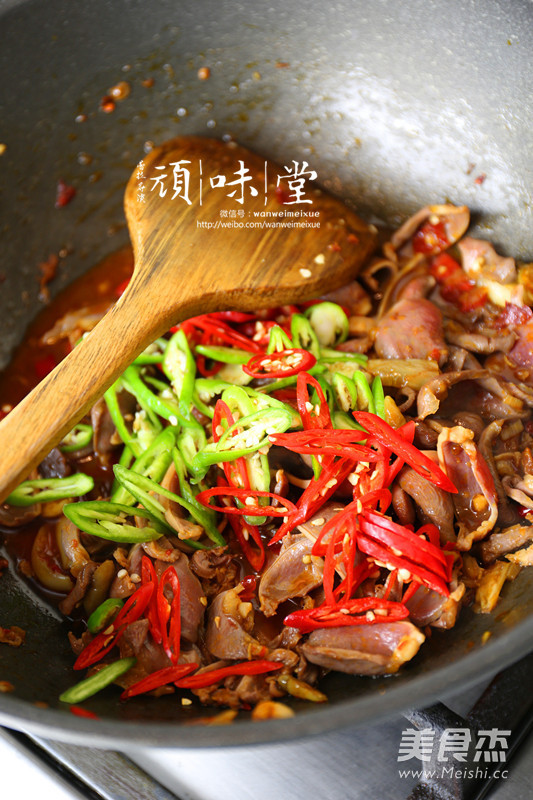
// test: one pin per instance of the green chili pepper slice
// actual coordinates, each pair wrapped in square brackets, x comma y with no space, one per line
[257,428]
[329,322]
[344,391]
[125,460]
[300,689]
[153,463]
[45,490]
[141,487]
[163,407]
[343,421]
[180,368]
[234,375]
[365,398]
[209,388]
[226,355]
[204,516]
[79,437]
[263,400]
[111,399]
[198,403]
[153,354]
[190,441]
[328,355]
[104,677]
[109,521]
[102,616]
[278,340]
[379,397]
[303,335]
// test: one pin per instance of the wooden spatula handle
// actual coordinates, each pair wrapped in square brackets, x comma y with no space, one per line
[45,415]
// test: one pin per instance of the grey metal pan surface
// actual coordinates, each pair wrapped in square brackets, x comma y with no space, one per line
[393,104]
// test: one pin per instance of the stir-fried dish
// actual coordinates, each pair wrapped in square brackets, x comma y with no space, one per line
[263,497]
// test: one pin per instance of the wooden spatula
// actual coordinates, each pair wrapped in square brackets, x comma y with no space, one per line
[213,227]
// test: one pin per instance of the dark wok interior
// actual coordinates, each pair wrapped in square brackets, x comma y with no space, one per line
[394,104]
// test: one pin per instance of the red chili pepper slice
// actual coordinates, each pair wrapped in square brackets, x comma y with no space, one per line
[375,498]
[432,532]
[236,472]
[280,365]
[383,554]
[259,331]
[232,316]
[316,494]
[361,572]
[311,416]
[326,441]
[134,607]
[384,434]
[213,676]
[78,711]
[148,575]
[222,333]
[244,533]
[157,679]
[169,613]
[285,506]
[410,591]
[351,612]
[399,537]
[342,532]
[132,610]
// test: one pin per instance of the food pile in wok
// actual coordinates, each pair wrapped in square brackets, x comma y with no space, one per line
[264,497]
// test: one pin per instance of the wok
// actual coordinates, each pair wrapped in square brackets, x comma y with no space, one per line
[393,104]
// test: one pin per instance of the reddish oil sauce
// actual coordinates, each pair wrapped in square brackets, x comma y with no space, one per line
[99,285]
[96,286]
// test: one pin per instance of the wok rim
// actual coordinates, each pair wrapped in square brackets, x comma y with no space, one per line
[473,668]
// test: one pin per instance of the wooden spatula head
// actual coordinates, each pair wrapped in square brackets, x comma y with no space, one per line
[196,250]
[217,251]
